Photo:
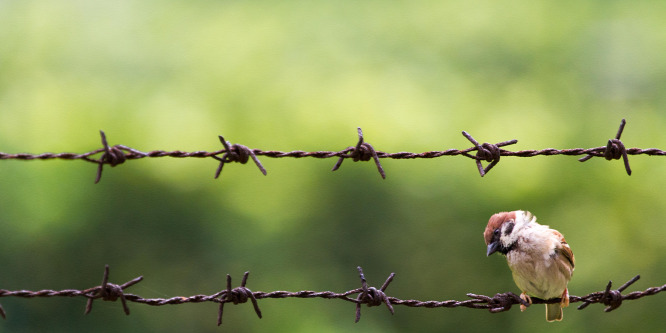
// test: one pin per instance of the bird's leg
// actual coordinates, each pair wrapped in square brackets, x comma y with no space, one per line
[525,297]
[565,298]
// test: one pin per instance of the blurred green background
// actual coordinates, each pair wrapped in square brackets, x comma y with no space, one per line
[302,75]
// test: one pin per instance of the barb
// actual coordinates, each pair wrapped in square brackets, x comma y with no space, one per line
[109,291]
[365,295]
[112,156]
[371,296]
[237,295]
[487,151]
[611,298]
[499,302]
[615,149]
[236,153]
[363,151]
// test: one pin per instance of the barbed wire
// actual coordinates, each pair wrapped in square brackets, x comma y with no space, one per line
[370,296]
[362,151]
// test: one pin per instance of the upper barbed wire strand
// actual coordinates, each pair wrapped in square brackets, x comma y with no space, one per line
[114,155]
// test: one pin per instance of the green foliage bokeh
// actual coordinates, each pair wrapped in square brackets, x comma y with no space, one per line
[302,75]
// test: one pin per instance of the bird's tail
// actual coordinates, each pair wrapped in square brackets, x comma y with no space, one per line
[554,312]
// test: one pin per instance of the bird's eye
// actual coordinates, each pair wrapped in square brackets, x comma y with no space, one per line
[496,232]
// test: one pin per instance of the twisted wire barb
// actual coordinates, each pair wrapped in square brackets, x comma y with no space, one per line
[615,149]
[236,153]
[370,296]
[237,296]
[109,291]
[363,151]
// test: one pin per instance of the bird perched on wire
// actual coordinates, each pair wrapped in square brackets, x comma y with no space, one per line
[539,258]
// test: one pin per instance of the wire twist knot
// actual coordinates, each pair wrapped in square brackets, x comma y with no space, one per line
[112,156]
[615,149]
[371,295]
[236,153]
[109,291]
[612,300]
[362,152]
[501,302]
[237,295]
[487,151]
[112,292]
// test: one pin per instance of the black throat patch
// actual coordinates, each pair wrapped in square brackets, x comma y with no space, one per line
[504,250]
[496,238]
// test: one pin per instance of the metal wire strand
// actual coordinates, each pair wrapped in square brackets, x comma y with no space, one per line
[371,296]
[363,151]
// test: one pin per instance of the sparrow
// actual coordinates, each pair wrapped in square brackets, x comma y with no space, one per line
[539,258]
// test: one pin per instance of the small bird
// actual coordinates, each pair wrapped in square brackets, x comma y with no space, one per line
[539,258]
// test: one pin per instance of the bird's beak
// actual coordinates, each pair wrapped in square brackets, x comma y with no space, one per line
[492,247]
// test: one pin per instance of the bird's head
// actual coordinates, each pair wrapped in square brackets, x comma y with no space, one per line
[500,233]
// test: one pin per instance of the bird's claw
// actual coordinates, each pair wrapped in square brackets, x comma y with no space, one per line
[525,297]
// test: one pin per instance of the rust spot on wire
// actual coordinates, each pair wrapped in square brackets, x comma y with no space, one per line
[615,149]
[486,151]
[109,291]
[236,153]
[237,295]
[362,152]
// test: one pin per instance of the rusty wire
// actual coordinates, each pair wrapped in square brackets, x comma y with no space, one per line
[362,151]
[369,296]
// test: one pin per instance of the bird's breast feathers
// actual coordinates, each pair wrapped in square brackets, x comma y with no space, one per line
[540,262]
